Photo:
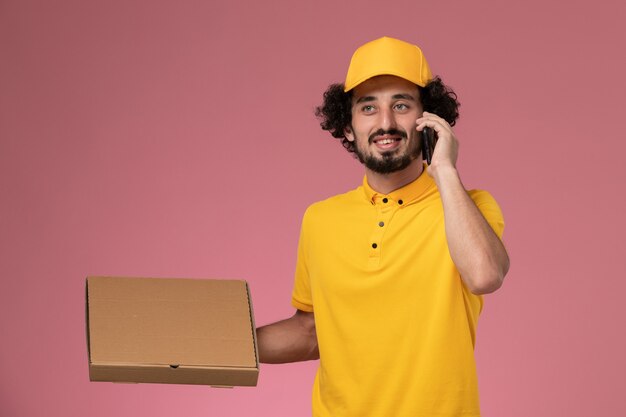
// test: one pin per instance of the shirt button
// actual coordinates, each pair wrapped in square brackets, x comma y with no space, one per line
[385,200]
[381,224]
[400,202]
[374,245]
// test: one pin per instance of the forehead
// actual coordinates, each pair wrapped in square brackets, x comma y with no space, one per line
[385,86]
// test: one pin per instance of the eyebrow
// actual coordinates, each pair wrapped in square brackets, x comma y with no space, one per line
[401,96]
[365,98]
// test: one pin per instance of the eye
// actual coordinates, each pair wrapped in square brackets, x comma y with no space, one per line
[401,106]
[368,108]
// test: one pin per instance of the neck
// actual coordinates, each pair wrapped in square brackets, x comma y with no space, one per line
[386,183]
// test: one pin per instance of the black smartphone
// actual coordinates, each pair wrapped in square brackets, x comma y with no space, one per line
[428,144]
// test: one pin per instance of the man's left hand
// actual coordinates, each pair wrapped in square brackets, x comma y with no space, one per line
[447,147]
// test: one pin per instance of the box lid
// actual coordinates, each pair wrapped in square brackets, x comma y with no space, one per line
[172,322]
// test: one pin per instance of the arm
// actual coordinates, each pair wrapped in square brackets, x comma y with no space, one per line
[290,340]
[476,250]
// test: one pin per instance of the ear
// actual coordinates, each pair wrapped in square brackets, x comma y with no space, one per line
[348,133]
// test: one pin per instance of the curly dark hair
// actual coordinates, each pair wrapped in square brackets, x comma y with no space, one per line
[335,113]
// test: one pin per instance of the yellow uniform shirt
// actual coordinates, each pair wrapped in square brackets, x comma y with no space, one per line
[395,324]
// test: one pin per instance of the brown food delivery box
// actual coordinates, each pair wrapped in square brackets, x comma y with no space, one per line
[173,331]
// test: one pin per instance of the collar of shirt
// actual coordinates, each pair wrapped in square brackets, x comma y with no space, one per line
[403,196]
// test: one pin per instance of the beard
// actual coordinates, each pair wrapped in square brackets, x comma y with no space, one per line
[391,161]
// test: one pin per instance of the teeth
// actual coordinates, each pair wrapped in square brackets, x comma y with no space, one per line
[386,141]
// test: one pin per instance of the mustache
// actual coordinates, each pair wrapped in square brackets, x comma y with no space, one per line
[391,132]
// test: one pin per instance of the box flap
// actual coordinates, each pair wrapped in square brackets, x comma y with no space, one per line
[180,322]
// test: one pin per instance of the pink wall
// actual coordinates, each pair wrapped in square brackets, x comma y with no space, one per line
[177,139]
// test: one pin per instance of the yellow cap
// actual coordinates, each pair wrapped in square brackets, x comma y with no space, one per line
[388,56]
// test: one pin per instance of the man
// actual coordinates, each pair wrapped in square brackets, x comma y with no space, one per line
[389,276]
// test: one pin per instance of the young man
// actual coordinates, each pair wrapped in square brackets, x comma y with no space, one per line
[390,275]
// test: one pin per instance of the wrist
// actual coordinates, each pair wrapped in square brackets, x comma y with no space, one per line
[443,173]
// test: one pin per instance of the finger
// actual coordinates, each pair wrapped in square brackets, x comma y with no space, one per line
[434,124]
[432,116]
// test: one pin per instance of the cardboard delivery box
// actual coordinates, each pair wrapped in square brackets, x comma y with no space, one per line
[175,331]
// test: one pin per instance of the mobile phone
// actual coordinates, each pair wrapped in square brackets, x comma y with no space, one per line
[428,144]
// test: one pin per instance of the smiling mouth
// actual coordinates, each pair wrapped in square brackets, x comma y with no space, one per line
[387,138]
[386,141]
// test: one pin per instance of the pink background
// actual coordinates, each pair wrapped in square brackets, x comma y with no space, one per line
[177,139]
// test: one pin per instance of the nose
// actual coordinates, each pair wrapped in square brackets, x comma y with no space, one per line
[387,119]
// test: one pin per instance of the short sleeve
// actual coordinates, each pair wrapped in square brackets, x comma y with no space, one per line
[301,297]
[489,209]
